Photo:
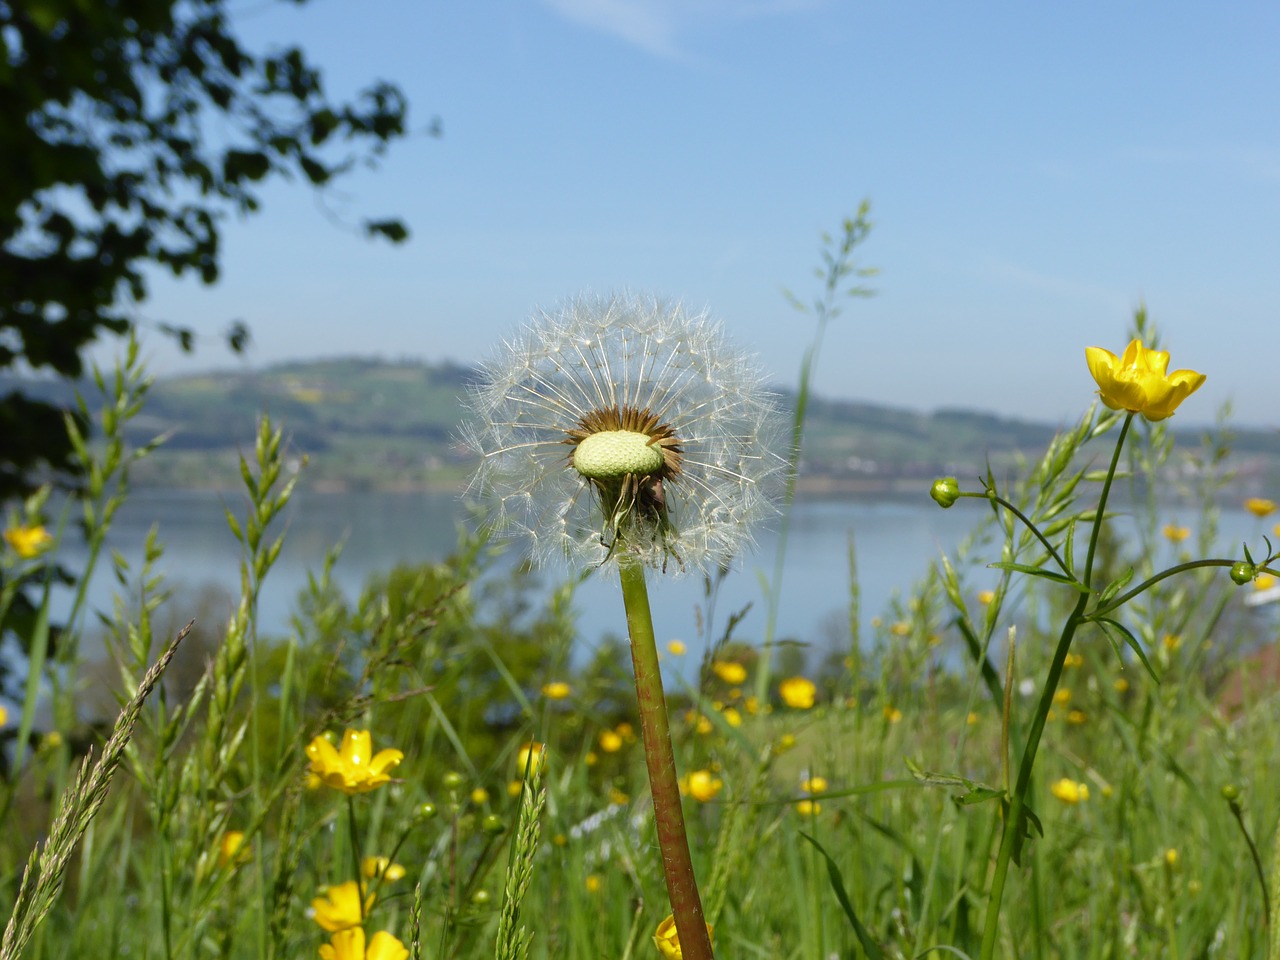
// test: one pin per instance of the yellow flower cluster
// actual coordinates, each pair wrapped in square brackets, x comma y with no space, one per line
[28,541]
[1069,791]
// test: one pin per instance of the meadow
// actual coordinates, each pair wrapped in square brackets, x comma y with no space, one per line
[1076,764]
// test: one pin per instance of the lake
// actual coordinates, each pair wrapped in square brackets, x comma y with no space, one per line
[895,540]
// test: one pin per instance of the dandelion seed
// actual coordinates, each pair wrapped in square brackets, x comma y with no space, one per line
[625,422]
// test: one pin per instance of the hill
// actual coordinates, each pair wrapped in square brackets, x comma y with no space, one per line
[378,425]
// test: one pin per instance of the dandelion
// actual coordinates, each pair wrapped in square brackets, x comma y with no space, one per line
[350,945]
[798,693]
[625,430]
[556,690]
[668,941]
[1069,791]
[731,672]
[339,907]
[1137,381]
[1260,506]
[1174,533]
[354,768]
[381,868]
[28,541]
[625,425]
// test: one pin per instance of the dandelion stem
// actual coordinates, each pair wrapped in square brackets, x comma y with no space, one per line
[677,866]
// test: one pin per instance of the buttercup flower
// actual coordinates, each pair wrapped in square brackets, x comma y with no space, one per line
[1069,791]
[676,648]
[797,692]
[1176,534]
[668,941]
[375,867]
[350,945]
[231,849]
[556,690]
[1137,381]
[730,671]
[1260,506]
[28,542]
[530,757]
[625,423]
[339,907]
[702,785]
[354,768]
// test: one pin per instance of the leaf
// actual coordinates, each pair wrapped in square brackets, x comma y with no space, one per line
[1115,586]
[1038,572]
[393,230]
[1130,639]
[837,885]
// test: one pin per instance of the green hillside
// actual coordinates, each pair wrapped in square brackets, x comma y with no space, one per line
[373,424]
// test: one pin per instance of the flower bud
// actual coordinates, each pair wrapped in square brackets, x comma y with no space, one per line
[1242,573]
[492,824]
[452,780]
[427,811]
[945,491]
[1230,792]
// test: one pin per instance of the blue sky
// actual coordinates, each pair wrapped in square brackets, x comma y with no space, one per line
[1035,171]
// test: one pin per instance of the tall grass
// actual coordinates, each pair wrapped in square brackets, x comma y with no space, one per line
[867,824]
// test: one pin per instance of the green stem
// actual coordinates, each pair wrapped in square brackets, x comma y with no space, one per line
[1152,581]
[1032,527]
[1013,826]
[668,814]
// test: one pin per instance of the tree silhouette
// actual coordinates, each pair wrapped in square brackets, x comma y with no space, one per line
[129,128]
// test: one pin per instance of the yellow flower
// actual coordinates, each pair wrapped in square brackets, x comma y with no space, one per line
[339,908]
[797,692]
[1062,697]
[618,797]
[514,788]
[1121,685]
[530,757]
[479,795]
[350,945]
[668,941]
[1077,717]
[28,541]
[1137,381]
[556,690]
[1260,506]
[702,785]
[814,785]
[1171,641]
[626,732]
[1171,857]
[1176,534]
[731,672]
[1069,791]
[1263,581]
[785,742]
[808,808]
[971,719]
[703,725]
[986,596]
[375,867]
[892,713]
[594,883]
[231,849]
[900,629]
[1073,660]
[354,768]
[732,717]
[676,648]
[4,716]
[610,741]
[1276,530]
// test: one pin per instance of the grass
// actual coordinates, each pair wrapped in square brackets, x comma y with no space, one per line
[866,825]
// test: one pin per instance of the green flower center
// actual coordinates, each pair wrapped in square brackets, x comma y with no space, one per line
[615,453]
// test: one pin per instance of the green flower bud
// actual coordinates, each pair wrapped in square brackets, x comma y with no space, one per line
[492,824]
[945,491]
[480,898]
[1242,573]
[452,780]
[1230,792]
[427,811]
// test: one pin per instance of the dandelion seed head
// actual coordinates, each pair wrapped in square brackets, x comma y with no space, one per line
[625,423]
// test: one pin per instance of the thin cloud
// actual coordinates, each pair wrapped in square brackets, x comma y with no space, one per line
[659,26]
